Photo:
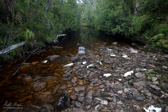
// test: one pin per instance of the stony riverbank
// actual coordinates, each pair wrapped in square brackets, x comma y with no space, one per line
[105,79]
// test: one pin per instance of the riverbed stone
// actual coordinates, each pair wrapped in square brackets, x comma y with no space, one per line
[53,57]
[47,97]
[77,104]
[140,75]
[80,88]
[80,98]
[39,86]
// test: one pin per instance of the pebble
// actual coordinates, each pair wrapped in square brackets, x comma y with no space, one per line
[80,99]
[80,88]
[77,104]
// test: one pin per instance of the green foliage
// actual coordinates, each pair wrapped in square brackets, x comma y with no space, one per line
[29,35]
[39,20]
[141,18]
[158,37]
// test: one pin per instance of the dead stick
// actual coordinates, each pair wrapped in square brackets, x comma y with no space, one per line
[17,69]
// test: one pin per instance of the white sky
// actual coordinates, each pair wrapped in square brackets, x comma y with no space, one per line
[79,1]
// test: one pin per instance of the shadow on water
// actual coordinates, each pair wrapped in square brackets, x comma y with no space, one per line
[21,91]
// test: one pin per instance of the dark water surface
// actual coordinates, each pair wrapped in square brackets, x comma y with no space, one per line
[21,91]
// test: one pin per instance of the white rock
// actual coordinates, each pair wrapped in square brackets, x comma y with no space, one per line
[45,61]
[107,75]
[90,66]
[96,108]
[125,56]
[100,63]
[128,73]
[133,51]
[103,102]
[152,109]
[112,55]
[126,90]
[120,92]
[84,62]
[69,65]
[109,49]
[120,80]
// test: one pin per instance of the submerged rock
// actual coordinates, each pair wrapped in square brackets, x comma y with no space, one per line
[39,86]
[53,57]
[63,101]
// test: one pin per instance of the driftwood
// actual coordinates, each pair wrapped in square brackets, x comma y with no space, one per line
[17,69]
[12,47]
[8,49]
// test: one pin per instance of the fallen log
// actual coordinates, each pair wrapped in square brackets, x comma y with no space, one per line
[12,47]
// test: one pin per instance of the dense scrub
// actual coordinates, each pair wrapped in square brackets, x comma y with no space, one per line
[39,21]
[146,19]
[35,21]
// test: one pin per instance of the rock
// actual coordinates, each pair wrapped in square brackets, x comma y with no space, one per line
[63,101]
[125,56]
[102,101]
[34,62]
[139,98]
[74,80]
[57,47]
[46,97]
[164,67]
[140,75]
[81,50]
[107,75]
[154,87]
[114,43]
[128,73]
[63,87]
[73,97]
[84,62]
[152,109]
[69,65]
[77,104]
[112,55]
[120,80]
[80,88]
[89,96]
[45,61]
[101,86]
[133,51]
[126,90]
[80,98]
[91,66]
[120,92]
[39,86]
[37,78]
[53,57]
[81,82]
[84,76]
[28,78]
[154,80]
[75,59]
[139,85]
